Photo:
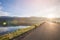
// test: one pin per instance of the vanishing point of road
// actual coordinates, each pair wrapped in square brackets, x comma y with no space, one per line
[47,31]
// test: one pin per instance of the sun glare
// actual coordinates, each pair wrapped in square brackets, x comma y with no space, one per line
[50,16]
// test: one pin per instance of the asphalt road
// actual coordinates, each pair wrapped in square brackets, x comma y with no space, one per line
[47,31]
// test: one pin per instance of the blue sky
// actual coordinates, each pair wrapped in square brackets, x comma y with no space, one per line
[25,8]
[15,8]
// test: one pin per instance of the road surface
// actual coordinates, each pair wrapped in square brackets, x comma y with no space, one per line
[47,31]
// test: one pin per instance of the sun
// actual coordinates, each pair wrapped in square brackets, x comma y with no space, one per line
[50,16]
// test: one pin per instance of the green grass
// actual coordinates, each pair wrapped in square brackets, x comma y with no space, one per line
[15,33]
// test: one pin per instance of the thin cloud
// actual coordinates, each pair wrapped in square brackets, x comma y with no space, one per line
[36,7]
[2,13]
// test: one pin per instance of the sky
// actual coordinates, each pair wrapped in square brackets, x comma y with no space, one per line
[27,8]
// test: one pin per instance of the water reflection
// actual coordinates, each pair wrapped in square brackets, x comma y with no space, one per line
[4,30]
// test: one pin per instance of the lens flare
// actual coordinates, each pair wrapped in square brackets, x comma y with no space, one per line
[4,23]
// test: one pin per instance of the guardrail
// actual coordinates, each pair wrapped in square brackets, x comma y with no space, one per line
[17,32]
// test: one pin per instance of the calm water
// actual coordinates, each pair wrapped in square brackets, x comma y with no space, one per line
[4,30]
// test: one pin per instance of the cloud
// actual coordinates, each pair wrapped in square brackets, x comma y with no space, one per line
[3,13]
[36,7]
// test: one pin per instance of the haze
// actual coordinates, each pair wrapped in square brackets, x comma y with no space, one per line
[27,8]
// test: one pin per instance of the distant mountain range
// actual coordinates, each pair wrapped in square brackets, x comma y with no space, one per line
[14,21]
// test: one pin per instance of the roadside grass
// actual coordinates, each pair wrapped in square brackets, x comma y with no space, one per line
[18,32]
[15,33]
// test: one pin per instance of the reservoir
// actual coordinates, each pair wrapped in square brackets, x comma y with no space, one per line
[5,30]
